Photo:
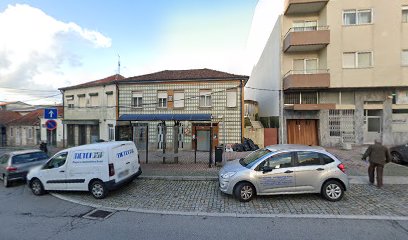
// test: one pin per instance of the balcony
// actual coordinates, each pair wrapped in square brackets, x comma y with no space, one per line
[306,79]
[293,7]
[303,39]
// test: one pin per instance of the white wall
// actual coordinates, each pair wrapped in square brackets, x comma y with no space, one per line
[266,75]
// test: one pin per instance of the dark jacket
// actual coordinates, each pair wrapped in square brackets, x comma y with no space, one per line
[378,154]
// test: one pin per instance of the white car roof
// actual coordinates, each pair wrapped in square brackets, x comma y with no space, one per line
[24,151]
[293,147]
[101,145]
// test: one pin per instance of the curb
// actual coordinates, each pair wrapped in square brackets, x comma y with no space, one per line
[236,215]
[360,180]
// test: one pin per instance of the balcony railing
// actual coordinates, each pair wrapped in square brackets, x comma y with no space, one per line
[311,38]
[306,79]
[306,71]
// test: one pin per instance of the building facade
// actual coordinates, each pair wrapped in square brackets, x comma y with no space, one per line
[343,71]
[198,104]
[6,117]
[90,111]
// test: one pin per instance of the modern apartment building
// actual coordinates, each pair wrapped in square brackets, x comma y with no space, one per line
[341,67]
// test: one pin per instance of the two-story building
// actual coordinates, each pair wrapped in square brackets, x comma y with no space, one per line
[188,106]
[90,111]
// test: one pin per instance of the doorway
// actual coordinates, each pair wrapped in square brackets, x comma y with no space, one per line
[372,125]
[302,131]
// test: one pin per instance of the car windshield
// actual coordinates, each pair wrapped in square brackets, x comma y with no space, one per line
[29,157]
[249,160]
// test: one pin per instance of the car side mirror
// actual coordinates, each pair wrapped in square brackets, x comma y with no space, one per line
[266,169]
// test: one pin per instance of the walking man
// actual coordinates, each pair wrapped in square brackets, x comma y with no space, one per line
[378,156]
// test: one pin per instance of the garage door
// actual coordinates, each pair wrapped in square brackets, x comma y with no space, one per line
[303,131]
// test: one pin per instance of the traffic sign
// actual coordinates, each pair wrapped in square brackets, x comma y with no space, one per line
[51,124]
[50,113]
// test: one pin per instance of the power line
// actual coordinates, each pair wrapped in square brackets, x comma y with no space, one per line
[25,89]
[35,99]
[263,89]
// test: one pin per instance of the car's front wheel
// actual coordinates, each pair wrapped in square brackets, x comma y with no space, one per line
[36,187]
[244,192]
[396,157]
[333,190]
[98,189]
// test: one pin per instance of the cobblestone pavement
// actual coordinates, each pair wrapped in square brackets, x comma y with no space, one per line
[205,197]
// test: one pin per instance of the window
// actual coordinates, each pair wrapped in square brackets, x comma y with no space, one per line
[30,133]
[81,100]
[178,99]
[111,132]
[326,159]
[137,99]
[302,26]
[205,98]
[232,97]
[405,14]
[162,99]
[71,105]
[110,99]
[357,17]
[308,158]
[404,58]
[357,59]
[278,161]
[56,161]
[93,99]
[11,132]
[253,157]
[4,159]
[305,66]
[29,157]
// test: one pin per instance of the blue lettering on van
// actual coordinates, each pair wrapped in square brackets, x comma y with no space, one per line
[124,153]
[88,155]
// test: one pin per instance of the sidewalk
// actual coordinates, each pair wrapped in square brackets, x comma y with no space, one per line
[355,168]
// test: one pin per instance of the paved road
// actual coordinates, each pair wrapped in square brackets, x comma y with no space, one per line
[25,216]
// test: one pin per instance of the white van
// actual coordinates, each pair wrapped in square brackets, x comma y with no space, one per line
[97,168]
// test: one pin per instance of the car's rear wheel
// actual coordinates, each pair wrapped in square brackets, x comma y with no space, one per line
[396,157]
[36,187]
[6,182]
[333,190]
[98,189]
[244,192]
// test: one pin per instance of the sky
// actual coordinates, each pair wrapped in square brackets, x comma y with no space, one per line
[48,44]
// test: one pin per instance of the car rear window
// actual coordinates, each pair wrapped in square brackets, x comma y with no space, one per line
[326,159]
[29,157]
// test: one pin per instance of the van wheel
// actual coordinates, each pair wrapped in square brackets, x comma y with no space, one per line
[244,192]
[37,187]
[6,182]
[98,189]
[333,191]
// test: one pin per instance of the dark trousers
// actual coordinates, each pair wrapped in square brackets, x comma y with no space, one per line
[380,170]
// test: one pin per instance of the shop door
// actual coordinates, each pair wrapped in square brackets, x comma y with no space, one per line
[302,131]
[372,126]
[203,140]
[81,134]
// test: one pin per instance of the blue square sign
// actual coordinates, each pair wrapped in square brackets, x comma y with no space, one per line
[50,113]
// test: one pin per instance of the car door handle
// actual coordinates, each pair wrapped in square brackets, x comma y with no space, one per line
[289,171]
[62,171]
[320,169]
[127,162]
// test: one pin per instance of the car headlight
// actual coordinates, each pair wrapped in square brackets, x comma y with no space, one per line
[227,174]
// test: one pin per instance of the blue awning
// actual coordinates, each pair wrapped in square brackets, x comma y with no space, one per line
[165,117]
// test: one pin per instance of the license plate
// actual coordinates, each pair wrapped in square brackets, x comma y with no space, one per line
[124,173]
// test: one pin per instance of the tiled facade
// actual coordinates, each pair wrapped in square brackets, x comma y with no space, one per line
[228,119]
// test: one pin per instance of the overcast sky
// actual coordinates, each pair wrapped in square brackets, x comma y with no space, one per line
[48,44]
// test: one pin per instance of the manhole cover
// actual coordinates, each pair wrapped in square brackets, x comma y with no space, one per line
[99,214]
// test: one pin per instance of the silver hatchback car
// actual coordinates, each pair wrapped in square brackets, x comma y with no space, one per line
[15,165]
[285,169]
